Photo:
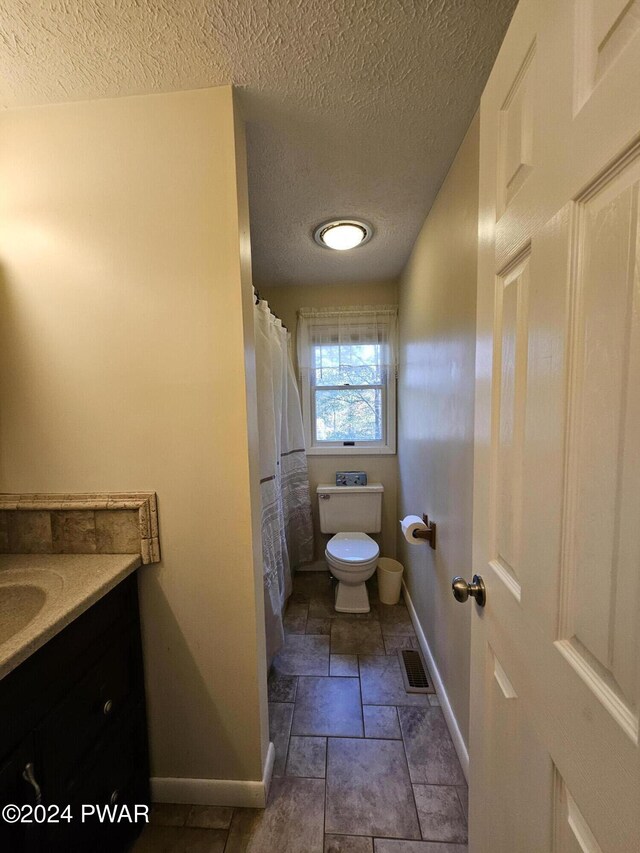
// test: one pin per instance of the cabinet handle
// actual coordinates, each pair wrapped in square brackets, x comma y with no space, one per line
[107,708]
[28,775]
[113,799]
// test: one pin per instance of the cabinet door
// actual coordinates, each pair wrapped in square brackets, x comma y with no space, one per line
[114,777]
[74,728]
[16,790]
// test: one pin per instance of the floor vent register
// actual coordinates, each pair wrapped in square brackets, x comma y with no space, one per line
[414,672]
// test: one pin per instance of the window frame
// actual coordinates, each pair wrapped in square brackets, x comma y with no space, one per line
[385,447]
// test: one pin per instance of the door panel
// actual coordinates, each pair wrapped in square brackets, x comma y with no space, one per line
[519,802]
[510,369]
[599,607]
[603,31]
[572,833]
[515,144]
[556,651]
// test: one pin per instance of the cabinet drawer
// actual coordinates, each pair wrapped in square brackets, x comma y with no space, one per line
[116,774]
[87,714]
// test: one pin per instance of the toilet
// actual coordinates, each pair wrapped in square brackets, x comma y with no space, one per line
[351,512]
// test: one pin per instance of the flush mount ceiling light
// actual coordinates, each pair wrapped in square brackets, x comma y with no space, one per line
[342,234]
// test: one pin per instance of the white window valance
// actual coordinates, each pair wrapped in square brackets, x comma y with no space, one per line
[343,329]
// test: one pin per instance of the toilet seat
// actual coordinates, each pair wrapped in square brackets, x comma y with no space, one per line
[352,559]
[352,549]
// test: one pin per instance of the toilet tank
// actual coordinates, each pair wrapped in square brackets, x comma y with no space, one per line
[345,509]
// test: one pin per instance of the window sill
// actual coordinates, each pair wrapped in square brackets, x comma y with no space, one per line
[351,451]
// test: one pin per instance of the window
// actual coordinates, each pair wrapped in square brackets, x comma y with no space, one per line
[347,367]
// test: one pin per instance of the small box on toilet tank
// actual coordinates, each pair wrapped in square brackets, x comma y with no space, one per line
[351,478]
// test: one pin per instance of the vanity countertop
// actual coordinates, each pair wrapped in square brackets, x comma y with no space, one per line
[40,594]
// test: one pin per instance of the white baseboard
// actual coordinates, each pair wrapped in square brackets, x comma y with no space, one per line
[441,693]
[267,776]
[216,792]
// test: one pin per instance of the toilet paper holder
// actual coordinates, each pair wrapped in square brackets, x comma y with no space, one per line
[429,534]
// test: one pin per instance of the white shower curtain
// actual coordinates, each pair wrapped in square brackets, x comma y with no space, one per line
[287,531]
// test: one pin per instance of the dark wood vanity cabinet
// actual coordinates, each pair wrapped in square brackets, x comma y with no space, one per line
[73,732]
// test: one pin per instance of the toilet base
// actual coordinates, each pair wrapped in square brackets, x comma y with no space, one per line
[352,598]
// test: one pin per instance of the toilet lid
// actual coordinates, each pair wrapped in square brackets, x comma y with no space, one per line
[353,547]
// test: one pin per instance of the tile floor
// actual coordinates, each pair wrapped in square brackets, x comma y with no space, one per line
[361,765]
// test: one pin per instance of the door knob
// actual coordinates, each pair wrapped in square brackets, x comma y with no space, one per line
[476,589]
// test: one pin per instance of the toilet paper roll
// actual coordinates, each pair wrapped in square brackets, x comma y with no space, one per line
[410,523]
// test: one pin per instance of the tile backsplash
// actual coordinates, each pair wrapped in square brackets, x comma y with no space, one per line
[125,523]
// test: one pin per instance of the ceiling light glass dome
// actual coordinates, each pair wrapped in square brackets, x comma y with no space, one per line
[342,234]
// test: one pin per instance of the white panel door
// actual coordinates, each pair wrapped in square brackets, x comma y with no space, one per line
[555,763]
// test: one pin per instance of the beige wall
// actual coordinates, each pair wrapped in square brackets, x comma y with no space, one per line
[126,324]
[435,415]
[286,301]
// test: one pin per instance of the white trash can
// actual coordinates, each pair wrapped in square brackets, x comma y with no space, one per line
[389,580]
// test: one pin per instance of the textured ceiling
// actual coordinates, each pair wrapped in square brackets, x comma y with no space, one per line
[354,108]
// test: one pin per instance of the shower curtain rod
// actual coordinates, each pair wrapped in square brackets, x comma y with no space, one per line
[273,313]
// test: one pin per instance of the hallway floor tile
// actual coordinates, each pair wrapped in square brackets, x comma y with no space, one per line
[293,822]
[346,665]
[338,707]
[347,844]
[440,813]
[303,654]
[383,846]
[381,721]
[280,717]
[328,706]
[282,688]
[307,757]
[430,752]
[356,637]
[369,790]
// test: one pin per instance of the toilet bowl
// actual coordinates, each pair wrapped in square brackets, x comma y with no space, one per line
[352,558]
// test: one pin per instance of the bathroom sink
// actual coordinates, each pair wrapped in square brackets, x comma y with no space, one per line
[24,594]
